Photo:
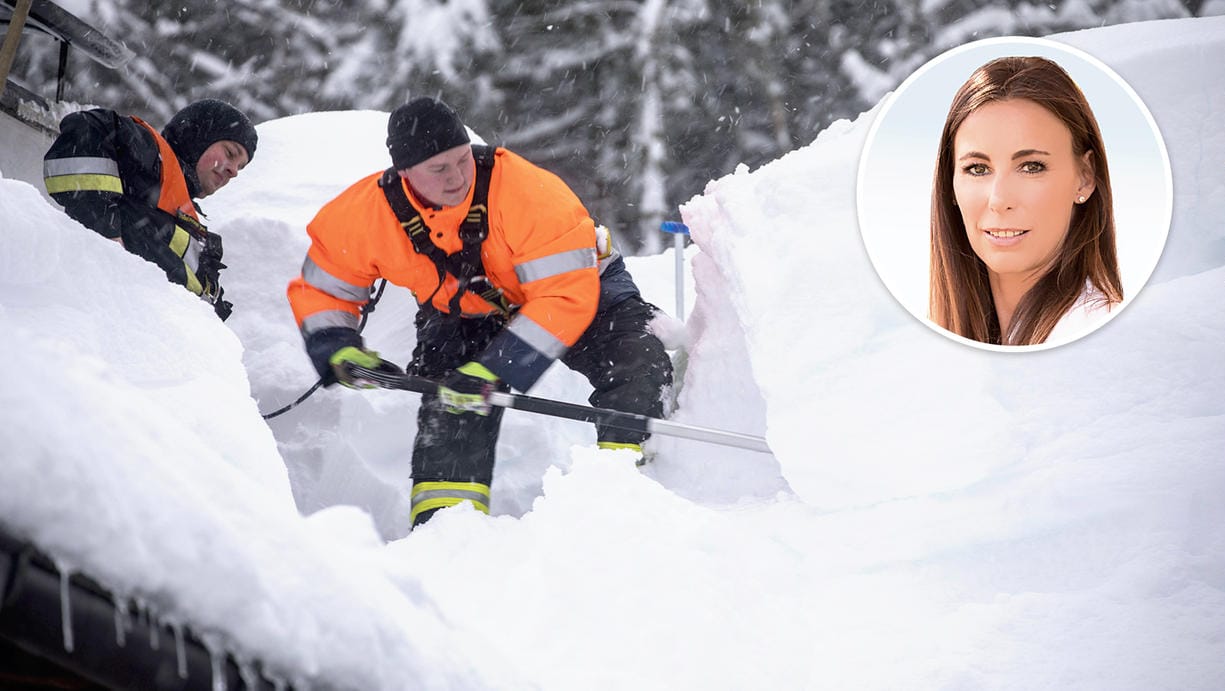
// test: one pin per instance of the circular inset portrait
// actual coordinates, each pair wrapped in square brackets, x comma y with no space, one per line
[1014,194]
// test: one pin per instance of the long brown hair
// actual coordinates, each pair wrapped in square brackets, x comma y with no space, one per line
[959,297]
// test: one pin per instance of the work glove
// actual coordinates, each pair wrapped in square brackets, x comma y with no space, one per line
[467,389]
[223,308]
[208,272]
[352,355]
[210,265]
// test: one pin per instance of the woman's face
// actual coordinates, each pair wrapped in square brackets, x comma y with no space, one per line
[1016,181]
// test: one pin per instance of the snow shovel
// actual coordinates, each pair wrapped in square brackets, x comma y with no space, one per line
[572,411]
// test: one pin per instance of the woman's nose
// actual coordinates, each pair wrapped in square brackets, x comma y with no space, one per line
[1001,198]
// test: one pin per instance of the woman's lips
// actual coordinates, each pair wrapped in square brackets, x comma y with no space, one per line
[1004,237]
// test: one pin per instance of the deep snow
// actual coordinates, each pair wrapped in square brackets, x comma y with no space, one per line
[934,516]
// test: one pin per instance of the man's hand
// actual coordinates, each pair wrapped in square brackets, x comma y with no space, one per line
[466,390]
[343,359]
[223,308]
[209,267]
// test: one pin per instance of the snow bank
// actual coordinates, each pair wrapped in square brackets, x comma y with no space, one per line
[132,450]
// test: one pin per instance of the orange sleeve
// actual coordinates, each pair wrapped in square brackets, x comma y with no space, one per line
[339,267]
[550,240]
[551,244]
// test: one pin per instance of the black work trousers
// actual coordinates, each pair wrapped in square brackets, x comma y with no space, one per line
[625,363]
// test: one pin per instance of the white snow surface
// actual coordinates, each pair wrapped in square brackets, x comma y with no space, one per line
[934,516]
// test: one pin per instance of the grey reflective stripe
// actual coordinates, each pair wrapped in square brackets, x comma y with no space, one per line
[554,264]
[537,337]
[80,165]
[191,257]
[456,494]
[328,319]
[314,275]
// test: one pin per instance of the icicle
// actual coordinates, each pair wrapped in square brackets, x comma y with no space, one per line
[122,620]
[155,634]
[218,663]
[180,648]
[250,677]
[278,683]
[66,605]
[144,614]
[216,658]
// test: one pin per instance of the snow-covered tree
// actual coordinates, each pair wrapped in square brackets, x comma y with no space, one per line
[635,103]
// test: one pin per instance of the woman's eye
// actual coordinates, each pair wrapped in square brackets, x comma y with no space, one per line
[975,169]
[1033,167]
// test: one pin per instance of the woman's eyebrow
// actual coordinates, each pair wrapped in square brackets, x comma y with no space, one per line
[1020,154]
[1030,152]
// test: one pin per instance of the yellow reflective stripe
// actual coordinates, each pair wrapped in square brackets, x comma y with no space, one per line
[443,503]
[84,183]
[193,283]
[180,241]
[554,264]
[613,445]
[427,496]
[182,245]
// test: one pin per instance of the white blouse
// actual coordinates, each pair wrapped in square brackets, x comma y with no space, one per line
[1090,311]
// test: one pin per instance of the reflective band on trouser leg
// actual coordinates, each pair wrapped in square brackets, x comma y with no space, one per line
[617,445]
[437,495]
[614,445]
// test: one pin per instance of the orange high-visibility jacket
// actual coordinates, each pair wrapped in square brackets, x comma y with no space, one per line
[541,251]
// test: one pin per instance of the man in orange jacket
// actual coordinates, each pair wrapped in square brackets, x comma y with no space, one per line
[502,258]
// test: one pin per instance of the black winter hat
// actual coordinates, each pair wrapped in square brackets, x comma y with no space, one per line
[198,126]
[420,129]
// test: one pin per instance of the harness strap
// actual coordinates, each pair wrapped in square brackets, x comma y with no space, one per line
[465,265]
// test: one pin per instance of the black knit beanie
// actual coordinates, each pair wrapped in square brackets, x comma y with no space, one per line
[198,126]
[420,129]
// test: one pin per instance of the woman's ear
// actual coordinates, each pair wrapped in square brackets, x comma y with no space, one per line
[1088,177]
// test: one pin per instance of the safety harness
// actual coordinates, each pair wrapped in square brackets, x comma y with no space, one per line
[465,265]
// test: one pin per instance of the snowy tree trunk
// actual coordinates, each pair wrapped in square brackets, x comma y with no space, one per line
[651,178]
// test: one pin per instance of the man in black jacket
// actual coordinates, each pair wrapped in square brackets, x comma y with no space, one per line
[122,178]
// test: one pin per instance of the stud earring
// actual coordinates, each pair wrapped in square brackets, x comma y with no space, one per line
[1080,199]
